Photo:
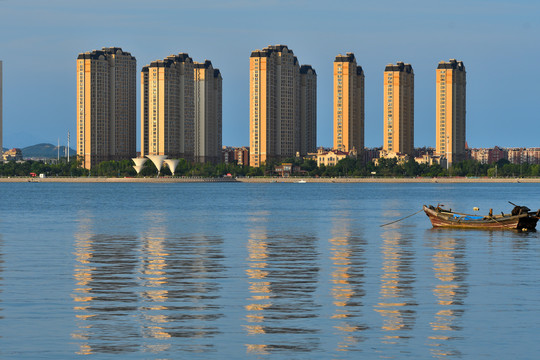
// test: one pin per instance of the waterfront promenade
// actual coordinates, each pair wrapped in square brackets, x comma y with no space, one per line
[449,180]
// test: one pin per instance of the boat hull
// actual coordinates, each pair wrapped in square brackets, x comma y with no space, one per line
[446,219]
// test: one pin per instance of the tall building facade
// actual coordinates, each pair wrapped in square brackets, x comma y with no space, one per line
[399,109]
[348,104]
[106,106]
[208,112]
[1,110]
[277,104]
[168,108]
[308,110]
[451,110]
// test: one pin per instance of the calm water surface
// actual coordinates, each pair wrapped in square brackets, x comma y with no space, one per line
[290,271]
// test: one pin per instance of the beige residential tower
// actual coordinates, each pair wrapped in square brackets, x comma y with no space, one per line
[167,107]
[106,106]
[398,109]
[282,105]
[348,104]
[1,110]
[451,110]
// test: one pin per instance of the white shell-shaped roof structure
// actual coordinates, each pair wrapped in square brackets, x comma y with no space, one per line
[139,161]
[138,168]
[157,160]
[139,164]
[172,164]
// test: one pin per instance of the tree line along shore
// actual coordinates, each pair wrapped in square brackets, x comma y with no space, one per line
[346,168]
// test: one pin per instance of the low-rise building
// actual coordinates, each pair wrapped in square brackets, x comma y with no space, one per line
[288,169]
[231,154]
[429,159]
[516,155]
[481,155]
[370,153]
[333,156]
[532,155]
[384,154]
[14,154]
[489,156]
[241,155]
[227,154]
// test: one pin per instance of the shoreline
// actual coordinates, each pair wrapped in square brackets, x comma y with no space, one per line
[457,180]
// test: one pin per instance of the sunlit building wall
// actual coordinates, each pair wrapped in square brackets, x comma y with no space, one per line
[399,109]
[167,107]
[348,103]
[451,110]
[1,109]
[275,104]
[106,106]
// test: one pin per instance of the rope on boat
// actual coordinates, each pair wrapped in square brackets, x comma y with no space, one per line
[395,221]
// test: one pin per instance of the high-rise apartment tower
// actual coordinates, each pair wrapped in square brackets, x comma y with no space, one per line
[167,107]
[106,106]
[399,109]
[1,110]
[281,104]
[208,112]
[451,100]
[308,109]
[348,104]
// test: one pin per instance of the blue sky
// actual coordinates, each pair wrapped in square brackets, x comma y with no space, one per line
[496,39]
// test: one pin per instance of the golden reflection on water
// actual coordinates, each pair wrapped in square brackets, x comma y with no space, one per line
[154,280]
[83,276]
[1,273]
[102,270]
[148,287]
[259,287]
[345,288]
[449,292]
[396,287]
[281,271]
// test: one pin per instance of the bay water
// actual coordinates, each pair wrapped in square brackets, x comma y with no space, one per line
[281,271]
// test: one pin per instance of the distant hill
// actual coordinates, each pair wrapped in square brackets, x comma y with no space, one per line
[45,151]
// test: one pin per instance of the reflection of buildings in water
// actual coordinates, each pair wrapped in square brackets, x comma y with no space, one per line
[104,293]
[136,293]
[82,294]
[347,282]
[397,292]
[1,272]
[180,288]
[153,279]
[195,267]
[450,291]
[282,278]
[259,287]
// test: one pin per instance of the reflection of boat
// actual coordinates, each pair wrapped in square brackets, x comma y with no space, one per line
[301,181]
[521,218]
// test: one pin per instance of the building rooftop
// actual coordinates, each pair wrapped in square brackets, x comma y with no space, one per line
[452,64]
[400,66]
[96,54]
[304,69]
[345,58]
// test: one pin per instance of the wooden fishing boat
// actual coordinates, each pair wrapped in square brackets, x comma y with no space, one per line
[521,219]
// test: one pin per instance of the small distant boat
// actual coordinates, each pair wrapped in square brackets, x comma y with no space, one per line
[521,218]
[301,181]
